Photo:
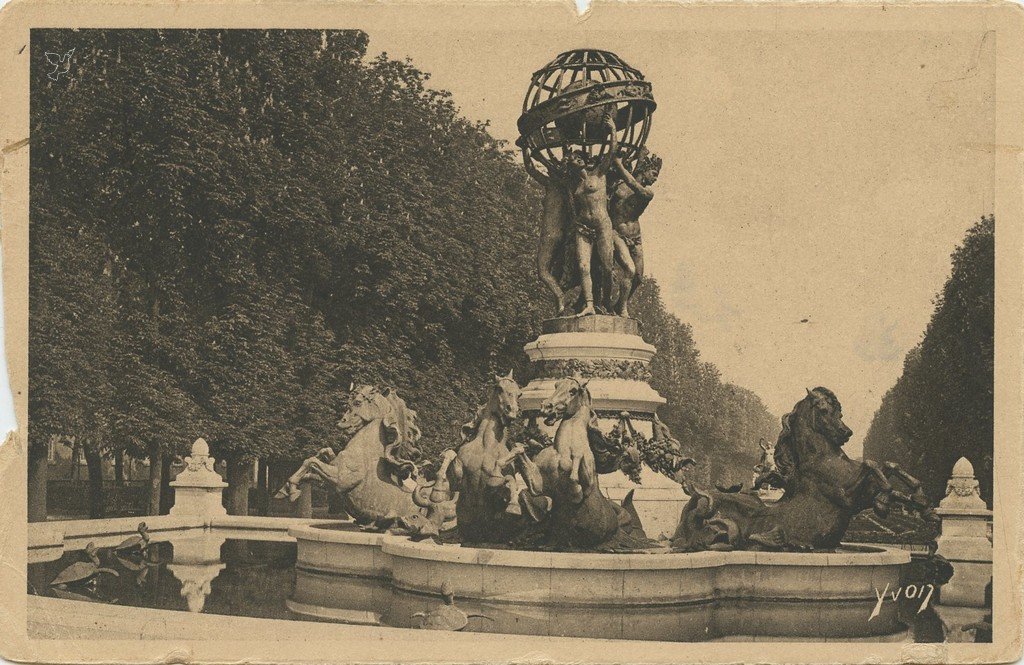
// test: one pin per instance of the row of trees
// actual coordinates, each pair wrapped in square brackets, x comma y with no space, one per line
[718,424]
[228,227]
[941,408]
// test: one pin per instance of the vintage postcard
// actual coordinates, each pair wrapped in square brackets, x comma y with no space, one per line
[441,332]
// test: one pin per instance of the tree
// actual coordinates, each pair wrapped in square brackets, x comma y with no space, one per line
[940,409]
[719,424]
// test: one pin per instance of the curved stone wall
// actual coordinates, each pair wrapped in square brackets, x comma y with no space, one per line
[358,577]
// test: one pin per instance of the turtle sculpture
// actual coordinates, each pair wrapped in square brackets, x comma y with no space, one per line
[82,573]
[446,616]
[137,543]
[134,554]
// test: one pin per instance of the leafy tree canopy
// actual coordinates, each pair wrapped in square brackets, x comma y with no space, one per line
[940,409]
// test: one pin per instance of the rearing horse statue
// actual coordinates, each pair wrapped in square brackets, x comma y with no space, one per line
[577,515]
[379,456]
[824,489]
[483,472]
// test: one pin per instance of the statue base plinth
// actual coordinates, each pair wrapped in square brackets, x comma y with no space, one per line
[609,352]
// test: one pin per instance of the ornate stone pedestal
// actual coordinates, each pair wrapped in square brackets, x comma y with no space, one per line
[198,489]
[609,351]
[965,540]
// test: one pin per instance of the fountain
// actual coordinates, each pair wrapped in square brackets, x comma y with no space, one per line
[559,513]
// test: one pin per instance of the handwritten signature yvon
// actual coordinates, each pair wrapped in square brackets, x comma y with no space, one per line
[910,592]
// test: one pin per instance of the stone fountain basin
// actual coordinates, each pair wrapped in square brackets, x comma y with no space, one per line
[340,572]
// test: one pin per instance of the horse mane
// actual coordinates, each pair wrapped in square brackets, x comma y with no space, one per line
[472,427]
[786,456]
[787,451]
[403,433]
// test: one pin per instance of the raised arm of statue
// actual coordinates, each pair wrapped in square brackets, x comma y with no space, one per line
[613,146]
[630,180]
[534,172]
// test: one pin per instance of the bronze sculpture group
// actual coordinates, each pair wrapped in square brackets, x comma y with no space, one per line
[823,490]
[559,497]
[492,490]
[582,134]
[590,229]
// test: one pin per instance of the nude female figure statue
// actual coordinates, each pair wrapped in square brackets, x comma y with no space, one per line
[629,200]
[587,181]
[553,226]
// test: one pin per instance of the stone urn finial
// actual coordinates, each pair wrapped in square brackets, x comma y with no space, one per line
[962,469]
[200,461]
[200,448]
[962,489]
[966,540]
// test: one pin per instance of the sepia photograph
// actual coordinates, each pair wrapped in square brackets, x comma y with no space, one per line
[628,337]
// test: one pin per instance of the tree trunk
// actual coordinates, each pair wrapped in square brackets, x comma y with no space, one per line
[156,463]
[75,458]
[166,496]
[38,464]
[119,467]
[239,478]
[304,504]
[262,488]
[94,462]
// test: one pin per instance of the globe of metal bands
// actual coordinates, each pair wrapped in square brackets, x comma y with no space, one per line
[569,99]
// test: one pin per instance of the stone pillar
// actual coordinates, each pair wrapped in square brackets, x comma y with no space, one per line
[965,539]
[609,351]
[303,507]
[198,488]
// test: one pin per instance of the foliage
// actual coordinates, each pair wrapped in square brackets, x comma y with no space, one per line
[940,409]
[718,424]
[229,227]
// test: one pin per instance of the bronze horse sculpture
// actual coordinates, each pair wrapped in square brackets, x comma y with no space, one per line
[823,490]
[563,489]
[379,457]
[482,471]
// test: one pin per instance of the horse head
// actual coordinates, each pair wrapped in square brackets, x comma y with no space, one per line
[501,404]
[815,425]
[365,405]
[571,394]
[826,416]
[504,401]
